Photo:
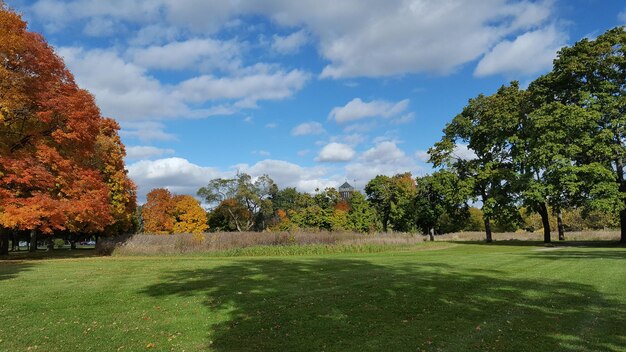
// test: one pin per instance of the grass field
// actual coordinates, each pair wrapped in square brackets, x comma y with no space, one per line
[444,297]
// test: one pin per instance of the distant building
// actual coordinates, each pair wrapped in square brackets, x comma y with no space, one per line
[345,191]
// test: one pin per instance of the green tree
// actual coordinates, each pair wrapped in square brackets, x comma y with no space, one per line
[362,216]
[591,75]
[392,198]
[440,203]
[252,195]
[487,125]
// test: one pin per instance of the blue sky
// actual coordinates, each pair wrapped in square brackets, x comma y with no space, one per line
[310,92]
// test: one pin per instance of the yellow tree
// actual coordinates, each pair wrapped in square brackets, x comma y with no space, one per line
[189,215]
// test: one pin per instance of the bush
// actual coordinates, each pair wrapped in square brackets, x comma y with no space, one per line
[58,243]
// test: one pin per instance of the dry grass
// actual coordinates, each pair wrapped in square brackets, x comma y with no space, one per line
[222,242]
[225,241]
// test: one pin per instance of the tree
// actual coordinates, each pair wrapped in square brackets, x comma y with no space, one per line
[392,199]
[487,124]
[253,196]
[440,201]
[189,215]
[591,75]
[158,212]
[122,192]
[362,216]
[48,132]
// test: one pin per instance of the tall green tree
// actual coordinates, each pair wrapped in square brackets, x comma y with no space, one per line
[487,125]
[591,76]
[392,199]
[440,201]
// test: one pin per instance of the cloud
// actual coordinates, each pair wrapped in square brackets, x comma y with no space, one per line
[357,109]
[206,54]
[127,92]
[385,158]
[462,151]
[529,54]
[622,17]
[308,128]
[336,152]
[376,39]
[146,152]
[176,174]
[289,44]
[101,27]
[262,84]
[422,155]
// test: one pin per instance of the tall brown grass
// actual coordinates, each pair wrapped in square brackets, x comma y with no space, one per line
[142,244]
[223,241]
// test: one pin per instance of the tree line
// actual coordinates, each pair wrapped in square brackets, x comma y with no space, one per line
[431,204]
[61,163]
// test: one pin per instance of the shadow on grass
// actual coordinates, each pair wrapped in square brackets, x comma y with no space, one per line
[10,270]
[524,243]
[354,305]
[63,253]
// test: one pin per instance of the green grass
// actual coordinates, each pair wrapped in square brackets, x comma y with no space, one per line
[460,297]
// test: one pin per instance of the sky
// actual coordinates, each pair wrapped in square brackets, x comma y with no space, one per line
[309,92]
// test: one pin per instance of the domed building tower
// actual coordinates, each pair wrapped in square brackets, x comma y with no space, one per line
[345,191]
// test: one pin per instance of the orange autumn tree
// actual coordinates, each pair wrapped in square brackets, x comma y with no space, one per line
[49,180]
[158,212]
[165,214]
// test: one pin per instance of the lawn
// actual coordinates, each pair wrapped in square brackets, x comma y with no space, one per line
[458,297]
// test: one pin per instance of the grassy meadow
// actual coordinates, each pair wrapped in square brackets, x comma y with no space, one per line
[508,296]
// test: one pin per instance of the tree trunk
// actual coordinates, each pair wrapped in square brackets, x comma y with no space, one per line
[431,234]
[545,220]
[49,244]
[15,241]
[622,222]
[488,230]
[33,241]
[560,226]
[4,243]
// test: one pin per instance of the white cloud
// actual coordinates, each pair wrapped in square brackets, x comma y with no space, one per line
[336,152]
[622,17]
[206,54]
[308,128]
[271,125]
[422,155]
[101,27]
[261,152]
[263,84]
[123,90]
[462,151]
[357,109]
[373,39]
[127,92]
[529,54]
[146,152]
[176,174]
[385,158]
[289,44]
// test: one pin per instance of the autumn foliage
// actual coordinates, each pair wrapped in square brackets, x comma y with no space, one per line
[165,214]
[61,162]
